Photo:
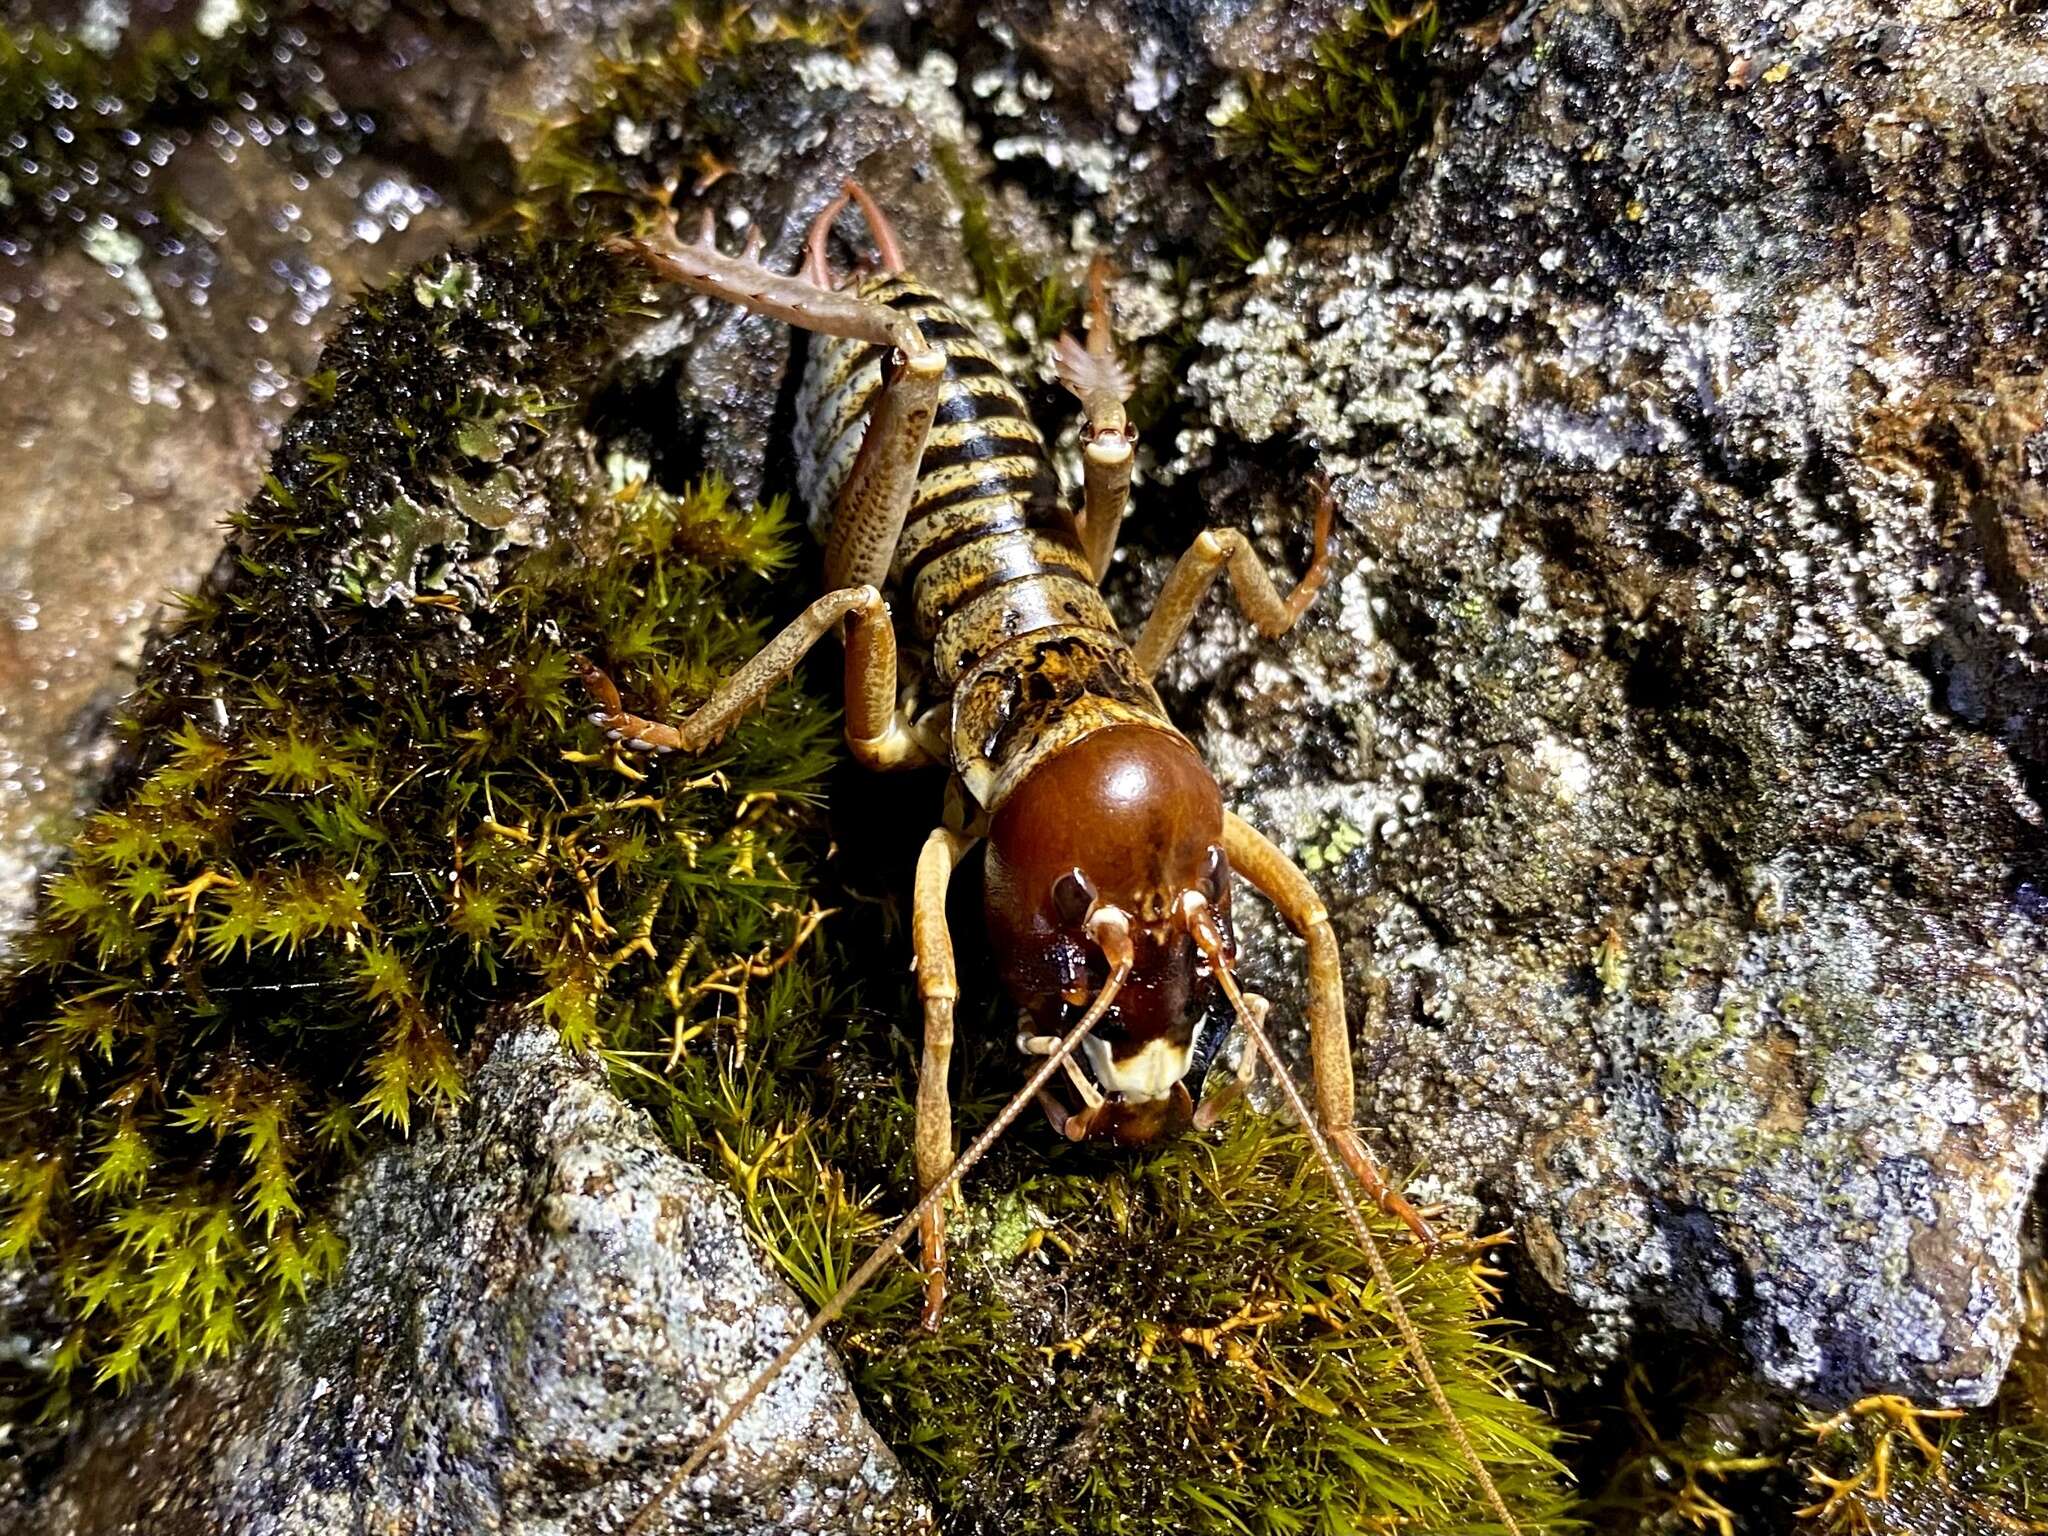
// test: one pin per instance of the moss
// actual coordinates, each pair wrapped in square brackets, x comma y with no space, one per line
[1696,1444]
[1325,142]
[363,815]
[1185,1341]
[670,110]
[1702,1446]
[1887,1467]
[1030,302]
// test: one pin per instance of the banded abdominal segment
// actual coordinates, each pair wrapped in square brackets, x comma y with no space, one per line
[988,555]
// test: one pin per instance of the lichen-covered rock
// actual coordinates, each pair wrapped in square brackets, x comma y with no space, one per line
[542,1310]
[1670,740]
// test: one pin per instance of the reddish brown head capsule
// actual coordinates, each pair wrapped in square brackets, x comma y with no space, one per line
[1129,818]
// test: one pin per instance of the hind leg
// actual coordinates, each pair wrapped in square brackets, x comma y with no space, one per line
[1102,385]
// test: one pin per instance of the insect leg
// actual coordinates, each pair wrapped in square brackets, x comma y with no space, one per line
[816,270]
[1329,1042]
[868,518]
[741,280]
[1102,385]
[938,986]
[1219,549]
[875,728]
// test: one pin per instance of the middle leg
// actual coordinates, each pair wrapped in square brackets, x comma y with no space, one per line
[1221,549]
[875,728]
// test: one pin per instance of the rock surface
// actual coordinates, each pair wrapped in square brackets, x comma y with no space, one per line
[1670,738]
[541,1311]
[149,357]
[1668,742]
[154,330]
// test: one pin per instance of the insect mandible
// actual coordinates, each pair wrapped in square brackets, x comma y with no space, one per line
[1110,851]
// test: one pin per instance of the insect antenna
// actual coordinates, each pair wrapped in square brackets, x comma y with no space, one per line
[1203,929]
[1109,929]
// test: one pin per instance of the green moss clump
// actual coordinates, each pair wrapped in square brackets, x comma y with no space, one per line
[1187,1341]
[1322,143]
[671,109]
[1886,1467]
[363,817]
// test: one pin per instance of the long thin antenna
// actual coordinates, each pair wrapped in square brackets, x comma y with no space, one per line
[898,1236]
[1211,944]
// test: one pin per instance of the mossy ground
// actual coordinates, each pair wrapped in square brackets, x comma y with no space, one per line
[1701,1447]
[363,819]
[357,819]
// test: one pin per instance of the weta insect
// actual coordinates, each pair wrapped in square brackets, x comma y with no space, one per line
[1110,852]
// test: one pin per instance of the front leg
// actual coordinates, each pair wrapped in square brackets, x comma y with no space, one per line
[938,986]
[875,728]
[1329,1041]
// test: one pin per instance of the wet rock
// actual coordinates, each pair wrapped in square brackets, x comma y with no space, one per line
[1669,741]
[150,357]
[473,85]
[541,1311]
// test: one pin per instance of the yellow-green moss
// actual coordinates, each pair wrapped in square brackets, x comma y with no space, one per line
[1326,140]
[362,816]
[1180,1342]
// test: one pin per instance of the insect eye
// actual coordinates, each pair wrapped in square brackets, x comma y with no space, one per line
[1072,895]
[1214,876]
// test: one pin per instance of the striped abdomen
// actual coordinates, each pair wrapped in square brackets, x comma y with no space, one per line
[989,570]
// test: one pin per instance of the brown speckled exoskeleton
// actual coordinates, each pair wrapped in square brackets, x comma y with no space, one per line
[1110,851]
